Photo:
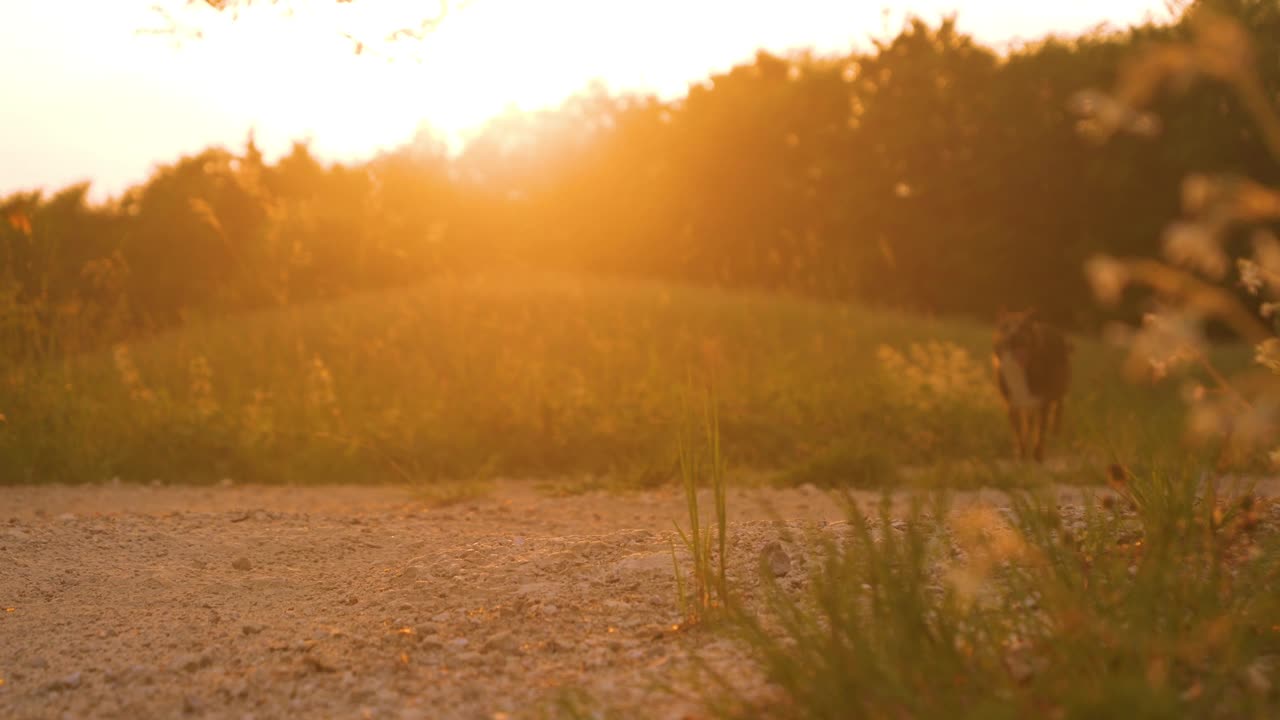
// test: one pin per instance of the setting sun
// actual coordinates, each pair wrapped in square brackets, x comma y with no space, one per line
[361,92]
[292,73]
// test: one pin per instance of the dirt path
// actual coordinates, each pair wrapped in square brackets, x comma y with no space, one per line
[343,602]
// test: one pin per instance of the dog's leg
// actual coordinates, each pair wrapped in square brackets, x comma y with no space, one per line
[1040,422]
[1017,421]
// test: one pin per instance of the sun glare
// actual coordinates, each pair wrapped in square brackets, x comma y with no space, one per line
[484,60]
[291,71]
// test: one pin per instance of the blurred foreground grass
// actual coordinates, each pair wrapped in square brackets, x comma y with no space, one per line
[1158,602]
[542,376]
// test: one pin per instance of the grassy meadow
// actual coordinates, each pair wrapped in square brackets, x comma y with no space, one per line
[554,376]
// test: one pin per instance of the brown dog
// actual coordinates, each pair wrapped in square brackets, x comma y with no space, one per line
[1032,362]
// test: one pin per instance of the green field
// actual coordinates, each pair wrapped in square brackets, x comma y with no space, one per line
[552,376]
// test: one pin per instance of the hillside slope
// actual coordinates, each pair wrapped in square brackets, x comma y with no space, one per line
[544,376]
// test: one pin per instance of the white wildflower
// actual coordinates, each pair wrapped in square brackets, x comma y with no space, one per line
[1167,341]
[1108,277]
[1266,253]
[1267,354]
[1104,115]
[1195,245]
[320,393]
[206,405]
[1250,275]
[1197,190]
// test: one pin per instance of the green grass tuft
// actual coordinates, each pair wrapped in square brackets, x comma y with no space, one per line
[1160,603]
[704,595]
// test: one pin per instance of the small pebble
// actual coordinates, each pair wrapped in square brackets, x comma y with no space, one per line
[776,559]
[191,662]
[242,563]
[319,664]
[502,641]
[70,682]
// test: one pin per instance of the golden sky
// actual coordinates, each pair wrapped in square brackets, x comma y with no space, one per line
[86,98]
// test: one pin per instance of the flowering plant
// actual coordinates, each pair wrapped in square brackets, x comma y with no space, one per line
[1192,282]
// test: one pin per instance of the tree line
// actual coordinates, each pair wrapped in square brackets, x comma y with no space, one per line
[929,172]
